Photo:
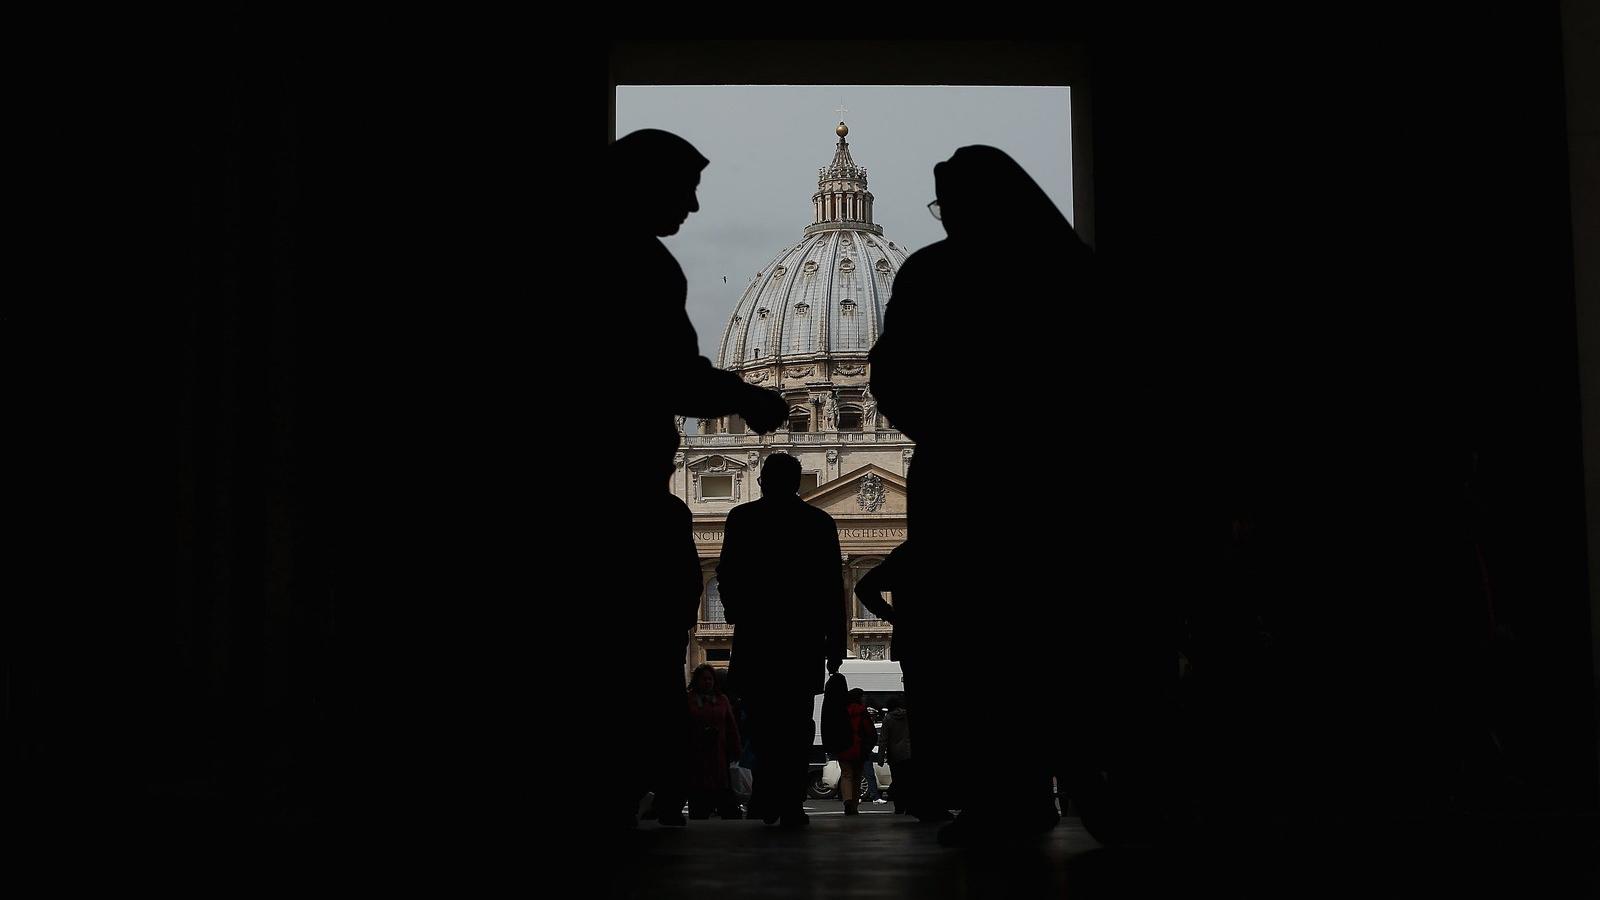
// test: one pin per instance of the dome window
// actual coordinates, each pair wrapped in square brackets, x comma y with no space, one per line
[779,272]
[810,268]
[737,320]
[802,308]
[847,265]
[762,312]
[883,266]
[847,307]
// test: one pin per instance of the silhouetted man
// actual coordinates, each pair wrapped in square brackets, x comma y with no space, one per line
[651,373]
[784,592]
[657,643]
[647,335]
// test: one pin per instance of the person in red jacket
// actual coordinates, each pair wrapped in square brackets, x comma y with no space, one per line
[863,736]
[713,744]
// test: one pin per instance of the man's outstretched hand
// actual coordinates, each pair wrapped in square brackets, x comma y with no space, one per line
[764,411]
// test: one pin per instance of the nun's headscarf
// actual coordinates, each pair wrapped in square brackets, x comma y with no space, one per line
[983,191]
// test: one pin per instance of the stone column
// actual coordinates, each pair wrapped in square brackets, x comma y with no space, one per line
[849,587]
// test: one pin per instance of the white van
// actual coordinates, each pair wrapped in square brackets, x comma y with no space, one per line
[877,679]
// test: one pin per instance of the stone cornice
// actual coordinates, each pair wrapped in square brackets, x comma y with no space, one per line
[819,227]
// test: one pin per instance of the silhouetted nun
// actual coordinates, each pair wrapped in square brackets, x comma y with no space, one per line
[1012,276]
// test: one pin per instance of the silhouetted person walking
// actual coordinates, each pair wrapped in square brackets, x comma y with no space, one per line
[784,592]
[863,735]
[654,373]
[895,737]
[713,738]
[1006,239]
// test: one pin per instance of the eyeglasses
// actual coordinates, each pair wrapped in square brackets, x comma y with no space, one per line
[933,207]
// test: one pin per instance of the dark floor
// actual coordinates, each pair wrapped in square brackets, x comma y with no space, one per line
[894,856]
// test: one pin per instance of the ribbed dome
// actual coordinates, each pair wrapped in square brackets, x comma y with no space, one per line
[821,297]
[825,296]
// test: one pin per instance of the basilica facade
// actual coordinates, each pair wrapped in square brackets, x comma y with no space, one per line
[803,327]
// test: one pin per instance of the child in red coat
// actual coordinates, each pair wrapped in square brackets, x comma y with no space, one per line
[713,745]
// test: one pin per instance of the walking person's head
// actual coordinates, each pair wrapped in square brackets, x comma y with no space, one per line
[857,695]
[704,679]
[780,475]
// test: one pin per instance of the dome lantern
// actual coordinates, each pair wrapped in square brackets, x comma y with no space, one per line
[842,199]
[809,316]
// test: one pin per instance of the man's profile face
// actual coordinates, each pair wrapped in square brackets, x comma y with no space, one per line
[677,205]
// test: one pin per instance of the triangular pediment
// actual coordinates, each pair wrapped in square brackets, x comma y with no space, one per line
[868,491]
[716,462]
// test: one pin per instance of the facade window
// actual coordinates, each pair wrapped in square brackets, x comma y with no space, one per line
[714,610]
[809,481]
[735,425]
[718,654]
[799,421]
[849,420]
[716,487]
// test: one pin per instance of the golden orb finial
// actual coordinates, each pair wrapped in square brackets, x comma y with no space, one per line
[842,130]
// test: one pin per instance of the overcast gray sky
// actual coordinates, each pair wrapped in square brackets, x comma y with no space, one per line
[766,143]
